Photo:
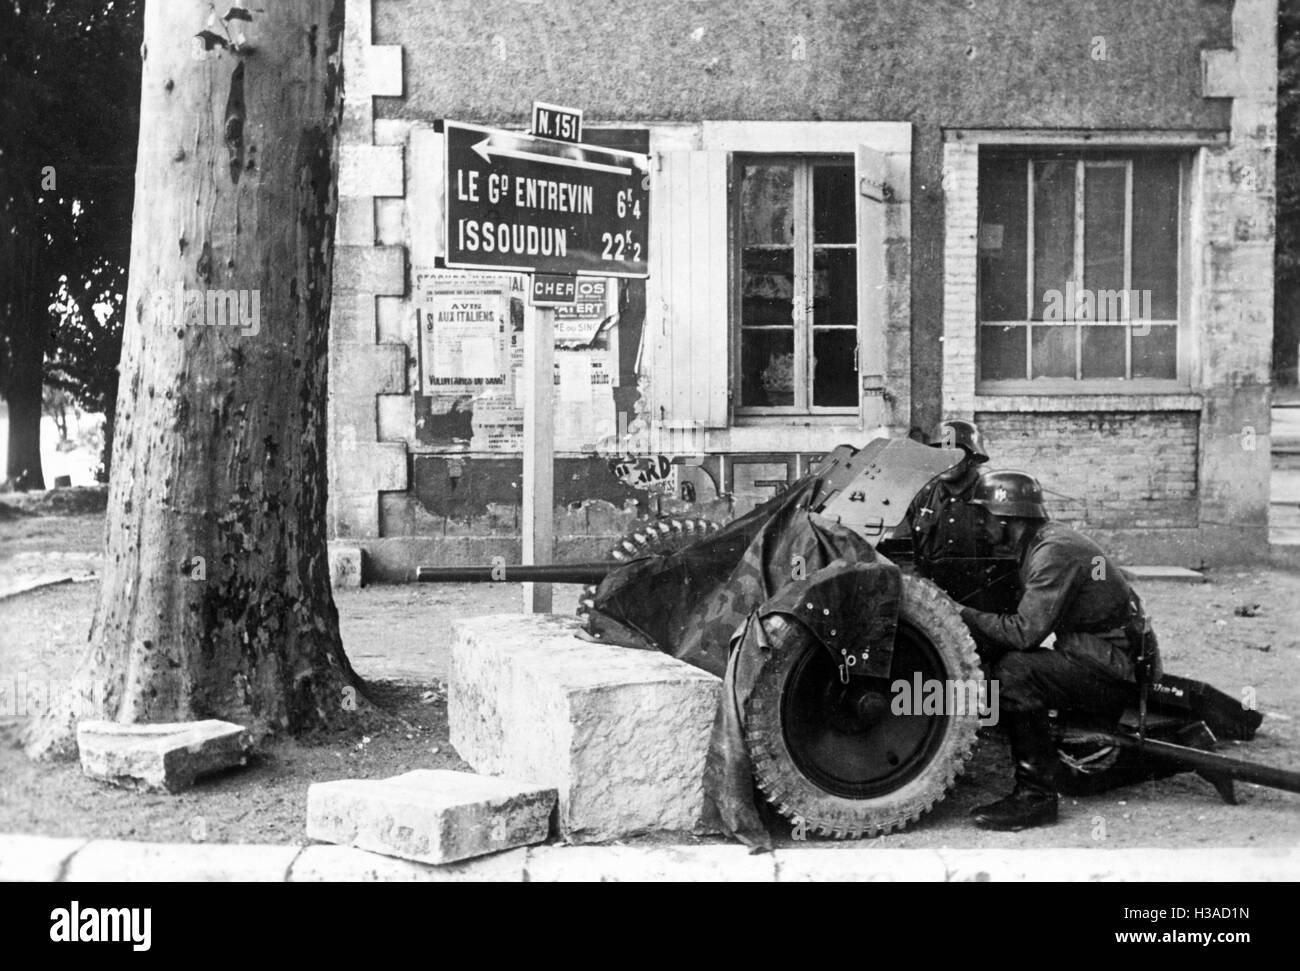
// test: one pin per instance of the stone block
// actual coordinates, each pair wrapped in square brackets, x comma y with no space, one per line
[649,864]
[344,864]
[123,861]
[35,859]
[353,515]
[370,170]
[367,269]
[164,757]
[1176,573]
[851,864]
[621,734]
[369,369]
[376,467]
[430,816]
[384,70]
[346,564]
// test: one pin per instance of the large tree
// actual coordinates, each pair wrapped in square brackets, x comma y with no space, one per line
[69,70]
[216,599]
[1286,335]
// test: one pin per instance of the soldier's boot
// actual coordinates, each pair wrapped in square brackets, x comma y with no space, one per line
[1033,800]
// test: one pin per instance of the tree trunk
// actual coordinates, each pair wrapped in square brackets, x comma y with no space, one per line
[22,317]
[23,465]
[216,597]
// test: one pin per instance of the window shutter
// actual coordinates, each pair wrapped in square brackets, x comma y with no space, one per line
[687,310]
[873,292]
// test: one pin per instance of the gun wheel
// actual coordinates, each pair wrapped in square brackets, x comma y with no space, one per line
[834,759]
[656,537]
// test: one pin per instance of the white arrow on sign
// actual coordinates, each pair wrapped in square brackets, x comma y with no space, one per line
[485,151]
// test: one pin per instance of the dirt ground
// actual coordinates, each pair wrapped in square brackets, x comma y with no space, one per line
[399,638]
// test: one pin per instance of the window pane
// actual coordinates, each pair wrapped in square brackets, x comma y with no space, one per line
[767,287]
[835,371]
[834,220]
[767,205]
[1053,352]
[1155,354]
[1155,232]
[1002,353]
[1103,351]
[835,286]
[1003,227]
[1053,230]
[1103,238]
[767,368]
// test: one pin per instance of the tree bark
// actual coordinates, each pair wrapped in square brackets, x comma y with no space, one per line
[24,321]
[27,357]
[216,597]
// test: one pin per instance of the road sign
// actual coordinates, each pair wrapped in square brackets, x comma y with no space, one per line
[556,121]
[553,290]
[538,205]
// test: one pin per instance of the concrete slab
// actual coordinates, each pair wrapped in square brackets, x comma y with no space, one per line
[164,757]
[617,864]
[1178,573]
[836,865]
[1121,865]
[21,585]
[35,859]
[621,734]
[146,862]
[430,816]
[103,861]
[333,864]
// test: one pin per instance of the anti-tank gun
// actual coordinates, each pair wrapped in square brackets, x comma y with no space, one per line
[830,748]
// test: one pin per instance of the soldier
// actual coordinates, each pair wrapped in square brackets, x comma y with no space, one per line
[940,520]
[1072,589]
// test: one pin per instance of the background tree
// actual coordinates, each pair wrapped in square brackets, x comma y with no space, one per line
[1286,313]
[216,597]
[69,73]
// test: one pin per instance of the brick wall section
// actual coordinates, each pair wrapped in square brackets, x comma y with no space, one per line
[961,227]
[1111,470]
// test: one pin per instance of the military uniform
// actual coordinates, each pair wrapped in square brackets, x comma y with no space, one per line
[942,523]
[1072,589]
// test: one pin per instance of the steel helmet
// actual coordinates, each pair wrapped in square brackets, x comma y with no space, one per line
[1010,494]
[959,433]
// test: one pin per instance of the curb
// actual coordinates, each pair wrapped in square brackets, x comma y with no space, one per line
[47,859]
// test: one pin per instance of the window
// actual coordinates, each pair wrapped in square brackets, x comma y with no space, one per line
[797,307]
[1079,268]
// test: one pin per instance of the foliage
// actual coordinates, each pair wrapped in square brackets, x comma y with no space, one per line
[1288,143]
[69,111]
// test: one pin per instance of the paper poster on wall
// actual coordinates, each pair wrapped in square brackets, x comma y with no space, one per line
[465,326]
[596,308]
[472,363]
[584,399]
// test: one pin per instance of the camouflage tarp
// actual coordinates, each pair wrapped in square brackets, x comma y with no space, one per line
[697,604]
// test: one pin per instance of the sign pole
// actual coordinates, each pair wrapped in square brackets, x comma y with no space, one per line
[538,497]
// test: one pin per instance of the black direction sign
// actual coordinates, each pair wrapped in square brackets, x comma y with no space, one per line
[532,204]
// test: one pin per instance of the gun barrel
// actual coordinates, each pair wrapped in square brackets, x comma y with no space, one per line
[515,573]
[1194,758]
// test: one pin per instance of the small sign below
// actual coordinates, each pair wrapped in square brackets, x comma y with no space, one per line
[554,290]
[557,122]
